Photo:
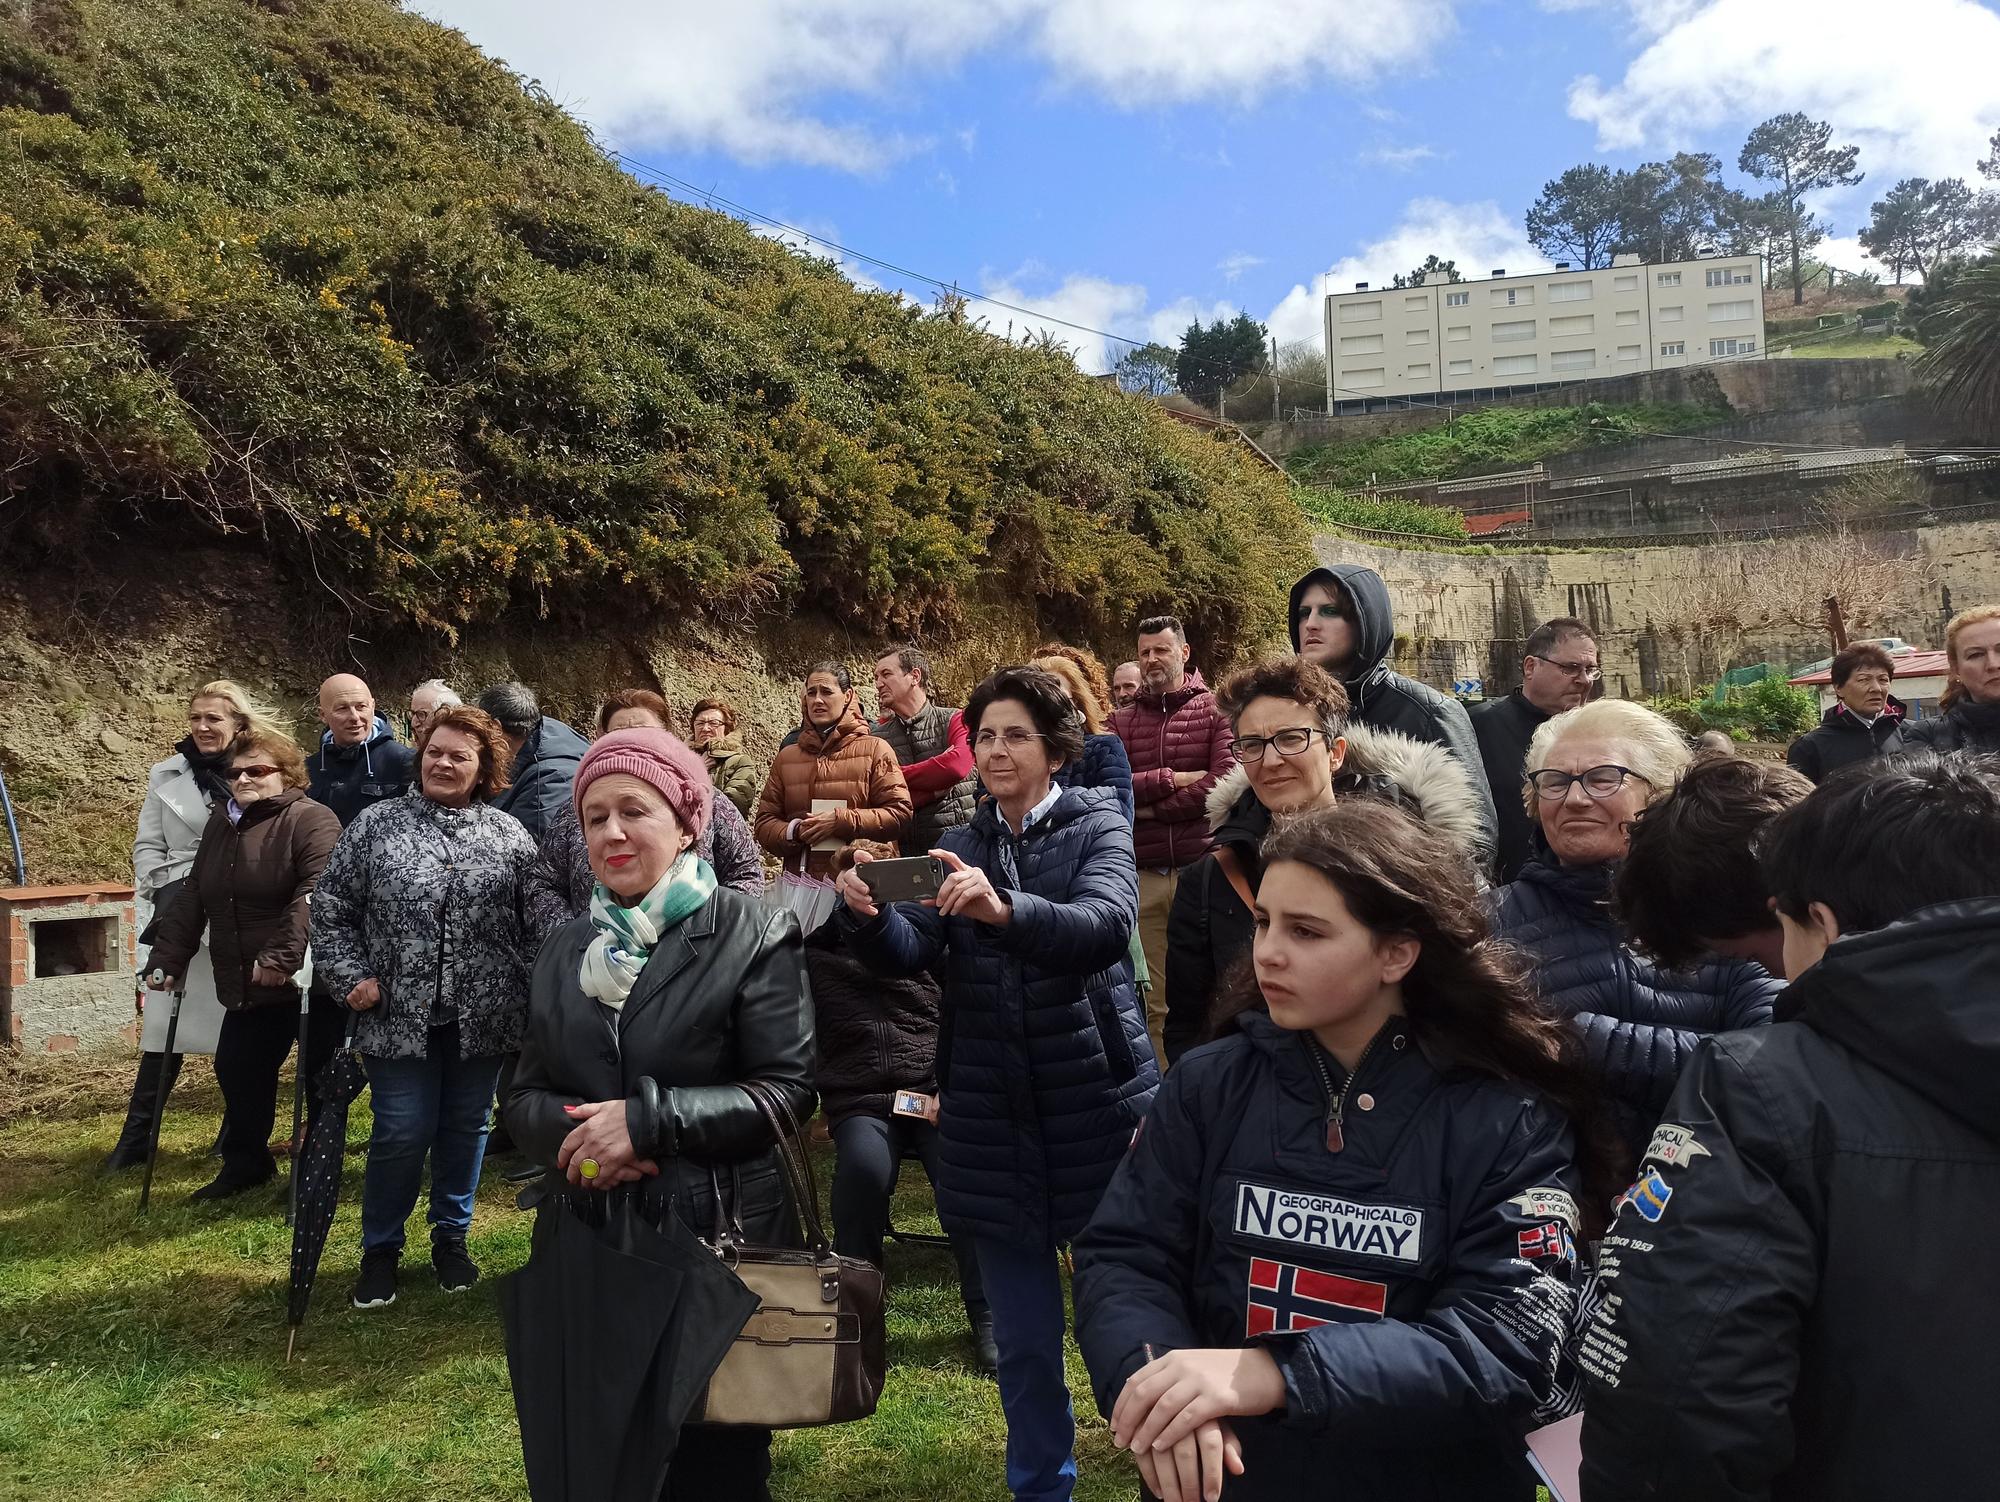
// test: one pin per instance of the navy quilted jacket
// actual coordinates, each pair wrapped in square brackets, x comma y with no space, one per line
[1044,1067]
[1104,765]
[1640,1024]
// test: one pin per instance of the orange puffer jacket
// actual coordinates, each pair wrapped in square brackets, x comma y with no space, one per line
[846,764]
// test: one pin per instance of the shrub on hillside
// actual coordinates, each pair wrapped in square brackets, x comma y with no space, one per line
[1768,710]
[321,274]
[1382,514]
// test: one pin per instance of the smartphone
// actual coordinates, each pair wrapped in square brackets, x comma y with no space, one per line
[916,1103]
[910,879]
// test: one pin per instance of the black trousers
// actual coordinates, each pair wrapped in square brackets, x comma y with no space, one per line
[717,1464]
[249,1054]
[868,1151]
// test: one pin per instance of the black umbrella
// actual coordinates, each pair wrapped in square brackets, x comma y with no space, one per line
[613,1329]
[318,1178]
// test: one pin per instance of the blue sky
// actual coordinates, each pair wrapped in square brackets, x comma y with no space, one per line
[1129,164]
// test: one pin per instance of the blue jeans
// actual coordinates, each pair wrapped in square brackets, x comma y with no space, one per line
[434,1106]
[1024,1289]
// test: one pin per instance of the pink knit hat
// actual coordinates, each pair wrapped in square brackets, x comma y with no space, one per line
[655,757]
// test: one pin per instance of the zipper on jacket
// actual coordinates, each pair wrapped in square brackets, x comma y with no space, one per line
[1336,1100]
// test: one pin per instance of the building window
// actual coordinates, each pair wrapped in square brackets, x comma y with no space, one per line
[1513,365]
[1361,344]
[1719,348]
[1724,312]
[1674,349]
[1362,380]
[1458,333]
[1520,328]
[1626,283]
[1460,367]
[1419,372]
[1415,304]
[1457,299]
[1627,352]
[1670,315]
[1573,359]
[1668,279]
[1513,297]
[1729,276]
[1626,317]
[1360,312]
[1570,291]
[1570,327]
[1418,336]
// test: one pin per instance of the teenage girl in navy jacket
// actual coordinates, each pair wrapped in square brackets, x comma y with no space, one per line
[1340,1258]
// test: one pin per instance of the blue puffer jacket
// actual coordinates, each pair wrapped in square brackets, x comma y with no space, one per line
[1044,1067]
[1640,1023]
[543,770]
[1104,765]
[1413,1287]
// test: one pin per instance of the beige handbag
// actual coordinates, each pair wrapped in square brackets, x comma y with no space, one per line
[813,1352]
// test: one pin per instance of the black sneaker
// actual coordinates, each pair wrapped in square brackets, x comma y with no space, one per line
[455,1271]
[377,1284]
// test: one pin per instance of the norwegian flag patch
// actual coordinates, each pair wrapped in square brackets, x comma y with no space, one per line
[1551,1243]
[1284,1297]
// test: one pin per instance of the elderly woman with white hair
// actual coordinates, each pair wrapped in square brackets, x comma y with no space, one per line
[1591,770]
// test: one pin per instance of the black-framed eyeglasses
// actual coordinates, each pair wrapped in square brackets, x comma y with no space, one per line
[1589,672]
[1599,782]
[237,774]
[1289,742]
[1014,738]
[1326,610]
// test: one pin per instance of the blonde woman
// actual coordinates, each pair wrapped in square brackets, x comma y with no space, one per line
[181,791]
[1104,763]
[1590,772]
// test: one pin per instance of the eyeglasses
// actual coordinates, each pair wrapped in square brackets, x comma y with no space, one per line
[1013,738]
[237,774]
[1325,611]
[1599,782]
[1588,672]
[1250,748]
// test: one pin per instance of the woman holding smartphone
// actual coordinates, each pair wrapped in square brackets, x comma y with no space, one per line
[1044,1068]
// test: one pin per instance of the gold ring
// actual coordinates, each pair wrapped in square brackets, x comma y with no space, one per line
[588,1168]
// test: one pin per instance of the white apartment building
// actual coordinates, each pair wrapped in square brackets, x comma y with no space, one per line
[1454,340]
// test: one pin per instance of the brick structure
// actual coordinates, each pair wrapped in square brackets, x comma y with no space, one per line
[66,958]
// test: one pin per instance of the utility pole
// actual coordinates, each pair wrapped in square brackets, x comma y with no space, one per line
[1277,411]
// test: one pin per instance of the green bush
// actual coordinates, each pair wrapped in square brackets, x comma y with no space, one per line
[320,275]
[1335,508]
[1767,710]
[1493,438]
[1876,311]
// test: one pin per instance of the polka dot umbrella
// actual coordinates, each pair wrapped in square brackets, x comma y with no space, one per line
[318,1178]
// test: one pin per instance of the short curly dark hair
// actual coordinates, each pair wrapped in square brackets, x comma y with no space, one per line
[1863,654]
[496,757]
[1041,693]
[1303,683]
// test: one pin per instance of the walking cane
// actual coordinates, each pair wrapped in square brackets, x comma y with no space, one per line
[298,1108]
[160,1095]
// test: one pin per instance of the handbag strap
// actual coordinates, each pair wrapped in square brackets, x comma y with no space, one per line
[797,1166]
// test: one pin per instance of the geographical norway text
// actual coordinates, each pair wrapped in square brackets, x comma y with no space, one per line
[1390,1232]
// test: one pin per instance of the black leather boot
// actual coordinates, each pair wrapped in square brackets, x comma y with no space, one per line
[148,1100]
[985,1353]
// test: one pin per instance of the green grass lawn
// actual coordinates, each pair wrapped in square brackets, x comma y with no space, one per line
[145,1359]
[1848,347]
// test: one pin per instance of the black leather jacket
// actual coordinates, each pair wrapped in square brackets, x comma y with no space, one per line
[723,998]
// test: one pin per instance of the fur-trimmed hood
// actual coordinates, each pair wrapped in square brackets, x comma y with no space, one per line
[1425,778]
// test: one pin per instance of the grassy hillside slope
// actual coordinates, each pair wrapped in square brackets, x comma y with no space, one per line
[322,277]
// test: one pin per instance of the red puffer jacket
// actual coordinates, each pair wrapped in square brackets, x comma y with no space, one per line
[1181,731]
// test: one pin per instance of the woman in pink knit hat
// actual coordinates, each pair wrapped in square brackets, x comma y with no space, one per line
[703,988]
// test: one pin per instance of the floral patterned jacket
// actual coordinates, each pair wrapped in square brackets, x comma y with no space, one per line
[562,880]
[435,903]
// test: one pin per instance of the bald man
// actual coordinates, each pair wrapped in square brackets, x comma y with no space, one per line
[360,761]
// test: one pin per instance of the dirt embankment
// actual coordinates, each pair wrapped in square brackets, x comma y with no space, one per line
[96,667]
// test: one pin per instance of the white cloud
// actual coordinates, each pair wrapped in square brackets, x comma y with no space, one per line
[1235,264]
[753,79]
[1478,236]
[805,236]
[1094,302]
[1401,158]
[1920,98]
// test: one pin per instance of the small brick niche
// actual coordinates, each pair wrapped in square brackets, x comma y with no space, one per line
[66,958]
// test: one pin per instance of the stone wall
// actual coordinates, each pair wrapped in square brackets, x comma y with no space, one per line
[1461,616]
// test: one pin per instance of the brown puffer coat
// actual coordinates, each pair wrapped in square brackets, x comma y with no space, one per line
[846,763]
[250,886]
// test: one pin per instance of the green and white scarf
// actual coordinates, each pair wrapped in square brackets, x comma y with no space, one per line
[626,935]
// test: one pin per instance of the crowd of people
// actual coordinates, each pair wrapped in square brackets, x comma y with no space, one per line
[1397,1079]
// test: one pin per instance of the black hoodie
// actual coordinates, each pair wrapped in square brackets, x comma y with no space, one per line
[1797,1298]
[1386,700]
